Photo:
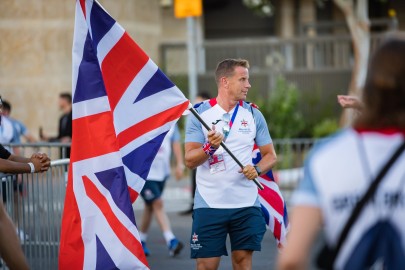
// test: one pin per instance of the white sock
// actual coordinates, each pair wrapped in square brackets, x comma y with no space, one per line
[168,235]
[143,236]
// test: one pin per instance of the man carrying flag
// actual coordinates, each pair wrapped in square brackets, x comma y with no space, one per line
[123,107]
[226,200]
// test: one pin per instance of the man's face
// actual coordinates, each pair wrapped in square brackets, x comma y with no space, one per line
[238,84]
[63,104]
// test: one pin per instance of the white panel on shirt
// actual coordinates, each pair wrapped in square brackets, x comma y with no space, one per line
[229,188]
[340,173]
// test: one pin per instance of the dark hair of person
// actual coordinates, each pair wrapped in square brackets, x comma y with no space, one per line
[384,90]
[66,96]
[204,95]
[226,67]
[6,106]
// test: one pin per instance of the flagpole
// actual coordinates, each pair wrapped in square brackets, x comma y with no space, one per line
[195,113]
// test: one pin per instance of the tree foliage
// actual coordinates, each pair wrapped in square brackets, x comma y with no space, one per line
[281,110]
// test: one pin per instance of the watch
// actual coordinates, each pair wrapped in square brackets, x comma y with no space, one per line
[259,172]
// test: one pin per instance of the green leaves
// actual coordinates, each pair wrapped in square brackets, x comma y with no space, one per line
[281,110]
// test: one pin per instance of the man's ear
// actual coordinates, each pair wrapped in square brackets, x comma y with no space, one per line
[224,82]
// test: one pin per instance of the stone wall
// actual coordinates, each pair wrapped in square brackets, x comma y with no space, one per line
[35,51]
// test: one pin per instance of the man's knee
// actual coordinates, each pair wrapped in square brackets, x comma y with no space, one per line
[242,259]
[208,263]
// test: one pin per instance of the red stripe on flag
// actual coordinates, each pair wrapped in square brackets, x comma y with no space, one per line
[123,234]
[120,67]
[273,199]
[93,136]
[71,250]
[151,123]
[277,229]
[133,195]
[83,5]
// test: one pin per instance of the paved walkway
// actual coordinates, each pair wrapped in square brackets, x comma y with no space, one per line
[177,197]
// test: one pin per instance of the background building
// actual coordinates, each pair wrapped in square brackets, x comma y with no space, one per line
[36,45]
[306,43]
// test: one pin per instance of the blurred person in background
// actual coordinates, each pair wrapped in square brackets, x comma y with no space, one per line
[6,126]
[20,129]
[8,133]
[199,99]
[65,124]
[153,190]
[339,171]
[350,102]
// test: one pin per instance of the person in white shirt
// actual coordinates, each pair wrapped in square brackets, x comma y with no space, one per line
[153,190]
[226,198]
[339,171]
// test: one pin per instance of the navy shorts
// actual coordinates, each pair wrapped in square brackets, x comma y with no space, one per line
[245,226]
[152,190]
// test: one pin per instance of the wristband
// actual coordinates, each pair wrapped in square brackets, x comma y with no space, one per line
[32,167]
[209,149]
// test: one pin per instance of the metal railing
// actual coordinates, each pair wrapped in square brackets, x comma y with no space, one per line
[35,204]
[321,64]
[54,150]
[333,52]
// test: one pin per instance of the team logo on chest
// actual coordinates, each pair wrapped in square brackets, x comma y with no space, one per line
[244,127]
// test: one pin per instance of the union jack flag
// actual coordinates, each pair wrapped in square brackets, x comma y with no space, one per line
[123,106]
[272,203]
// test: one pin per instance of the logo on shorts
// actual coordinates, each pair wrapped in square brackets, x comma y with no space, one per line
[194,246]
[149,194]
[194,237]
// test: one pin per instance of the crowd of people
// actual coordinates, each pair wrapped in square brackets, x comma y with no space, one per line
[353,185]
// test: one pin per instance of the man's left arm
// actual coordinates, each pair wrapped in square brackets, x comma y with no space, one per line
[269,158]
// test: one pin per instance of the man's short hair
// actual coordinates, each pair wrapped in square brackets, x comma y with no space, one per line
[66,96]
[226,67]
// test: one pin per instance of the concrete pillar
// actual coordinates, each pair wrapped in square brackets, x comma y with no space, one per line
[286,19]
[307,15]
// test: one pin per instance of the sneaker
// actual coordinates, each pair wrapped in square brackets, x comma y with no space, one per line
[145,248]
[175,246]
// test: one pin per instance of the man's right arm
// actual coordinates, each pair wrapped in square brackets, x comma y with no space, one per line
[195,140]
[195,154]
